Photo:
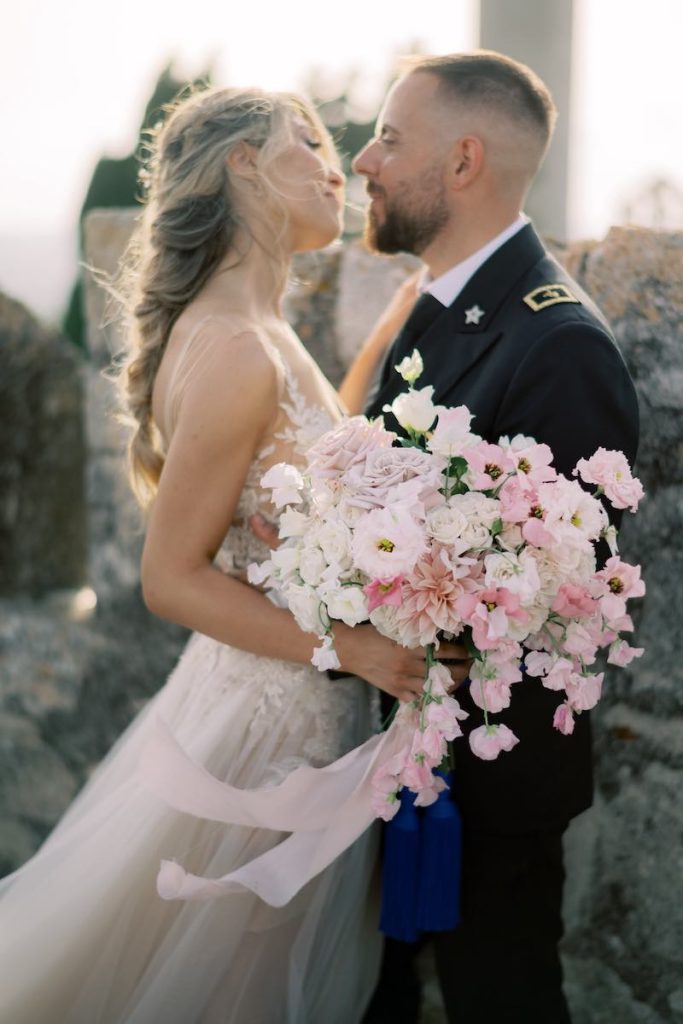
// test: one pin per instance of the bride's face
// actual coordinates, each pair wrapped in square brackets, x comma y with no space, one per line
[311,187]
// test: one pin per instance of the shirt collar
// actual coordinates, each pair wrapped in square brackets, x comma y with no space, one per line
[448,286]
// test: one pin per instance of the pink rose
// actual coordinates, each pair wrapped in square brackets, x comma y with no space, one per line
[610,471]
[487,741]
[381,476]
[347,444]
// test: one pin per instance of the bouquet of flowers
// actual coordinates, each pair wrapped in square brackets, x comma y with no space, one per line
[450,536]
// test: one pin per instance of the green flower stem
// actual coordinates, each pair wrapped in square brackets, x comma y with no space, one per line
[431,661]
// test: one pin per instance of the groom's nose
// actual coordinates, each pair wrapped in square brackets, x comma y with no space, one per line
[365,162]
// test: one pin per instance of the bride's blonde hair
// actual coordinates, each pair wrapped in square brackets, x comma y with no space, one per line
[194,208]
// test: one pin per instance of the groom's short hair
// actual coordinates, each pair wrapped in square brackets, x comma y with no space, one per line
[491,80]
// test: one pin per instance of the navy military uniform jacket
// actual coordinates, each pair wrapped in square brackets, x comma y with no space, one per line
[536,358]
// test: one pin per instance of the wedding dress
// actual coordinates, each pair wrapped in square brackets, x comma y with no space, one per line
[84,937]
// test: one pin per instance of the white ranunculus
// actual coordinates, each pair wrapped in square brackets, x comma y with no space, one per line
[304,604]
[476,535]
[473,504]
[446,524]
[518,575]
[411,367]
[347,603]
[415,410]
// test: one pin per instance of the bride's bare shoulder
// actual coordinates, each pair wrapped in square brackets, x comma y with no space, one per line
[218,362]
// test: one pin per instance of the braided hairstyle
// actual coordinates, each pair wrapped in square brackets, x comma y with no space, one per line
[193,211]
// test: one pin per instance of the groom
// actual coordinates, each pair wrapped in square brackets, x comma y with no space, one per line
[504,330]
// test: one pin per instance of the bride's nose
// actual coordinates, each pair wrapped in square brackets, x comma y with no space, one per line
[336,177]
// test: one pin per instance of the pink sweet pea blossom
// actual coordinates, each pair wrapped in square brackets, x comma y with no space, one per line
[516,500]
[383,592]
[573,601]
[429,746]
[583,692]
[487,741]
[610,471]
[430,794]
[563,720]
[621,654]
[445,717]
[452,436]
[490,695]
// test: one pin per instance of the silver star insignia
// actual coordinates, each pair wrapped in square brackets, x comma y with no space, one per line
[473,315]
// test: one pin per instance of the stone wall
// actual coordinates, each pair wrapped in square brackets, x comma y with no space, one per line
[42,506]
[67,687]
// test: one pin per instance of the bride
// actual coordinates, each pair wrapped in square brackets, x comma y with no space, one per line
[218,389]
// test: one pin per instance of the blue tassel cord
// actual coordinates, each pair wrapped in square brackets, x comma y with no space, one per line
[438,902]
[421,868]
[401,872]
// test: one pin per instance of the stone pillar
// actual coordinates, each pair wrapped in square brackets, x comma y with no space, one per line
[539,33]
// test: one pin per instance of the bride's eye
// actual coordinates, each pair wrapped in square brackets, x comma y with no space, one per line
[313,143]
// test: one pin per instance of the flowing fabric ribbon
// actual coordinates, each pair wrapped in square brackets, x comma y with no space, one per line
[325,810]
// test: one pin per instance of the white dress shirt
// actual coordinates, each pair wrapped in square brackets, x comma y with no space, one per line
[448,286]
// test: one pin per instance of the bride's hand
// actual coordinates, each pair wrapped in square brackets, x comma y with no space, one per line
[388,666]
[264,531]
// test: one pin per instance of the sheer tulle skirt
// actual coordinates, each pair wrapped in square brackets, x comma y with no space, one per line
[84,938]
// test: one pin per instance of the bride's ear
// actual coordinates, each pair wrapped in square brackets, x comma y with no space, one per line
[241,160]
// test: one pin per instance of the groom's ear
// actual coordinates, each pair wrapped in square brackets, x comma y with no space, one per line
[465,162]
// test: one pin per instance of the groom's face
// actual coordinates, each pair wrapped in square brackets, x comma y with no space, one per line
[404,168]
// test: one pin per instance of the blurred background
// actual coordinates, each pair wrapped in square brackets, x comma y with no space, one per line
[78,78]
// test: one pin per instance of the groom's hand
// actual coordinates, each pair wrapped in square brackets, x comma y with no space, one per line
[264,531]
[458,662]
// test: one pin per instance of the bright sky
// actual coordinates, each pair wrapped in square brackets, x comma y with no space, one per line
[75,75]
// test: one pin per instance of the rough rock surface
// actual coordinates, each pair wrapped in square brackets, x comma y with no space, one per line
[42,506]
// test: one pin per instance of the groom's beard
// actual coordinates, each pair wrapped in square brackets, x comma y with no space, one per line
[411,220]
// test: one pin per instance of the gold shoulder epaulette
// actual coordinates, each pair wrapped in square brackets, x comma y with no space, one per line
[549,295]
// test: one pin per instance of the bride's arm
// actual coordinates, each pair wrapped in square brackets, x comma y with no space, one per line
[224,413]
[353,390]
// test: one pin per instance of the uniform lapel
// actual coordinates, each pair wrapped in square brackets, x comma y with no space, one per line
[457,339]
